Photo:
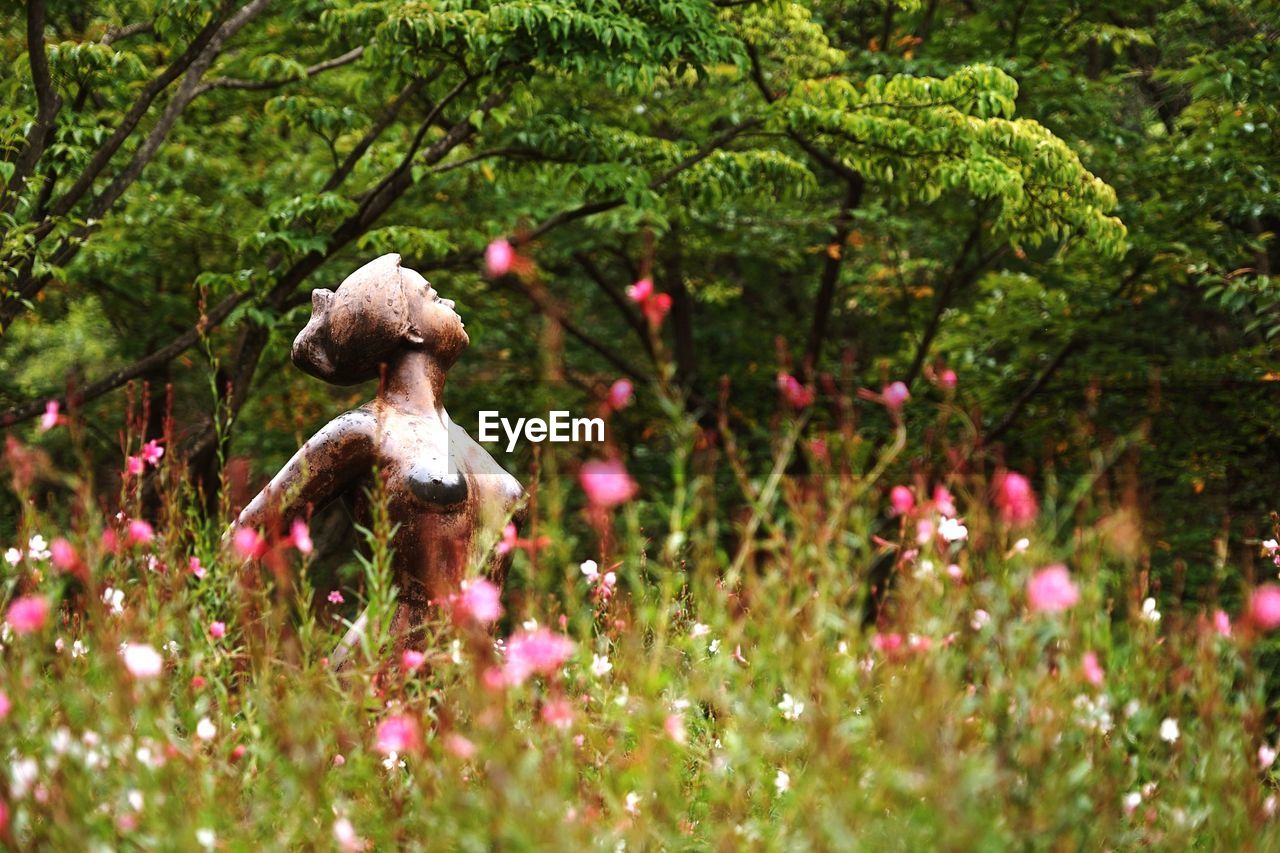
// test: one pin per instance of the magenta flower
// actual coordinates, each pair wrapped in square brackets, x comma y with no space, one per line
[536,652]
[217,630]
[478,601]
[152,452]
[411,660]
[63,554]
[620,394]
[656,307]
[249,543]
[142,661]
[300,536]
[1222,623]
[641,290]
[902,500]
[398,734]
[606,483]
[5,705]
[796,395]
[50,418]
[499,257]
[196,568]
[1050,590]
[28,614]
[140,532]
[944,502]
[134,466]
[558,713]
[1092,669]
[335,597]
[1015,498]
[509,540]
[948,379]
[1264,607]
[895,395]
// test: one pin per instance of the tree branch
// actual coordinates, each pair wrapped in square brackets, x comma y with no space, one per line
[259,85]
[48,102]
[831,274]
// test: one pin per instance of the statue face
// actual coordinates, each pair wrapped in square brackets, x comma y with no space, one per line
[434,323]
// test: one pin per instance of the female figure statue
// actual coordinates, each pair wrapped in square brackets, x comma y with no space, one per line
[447,495]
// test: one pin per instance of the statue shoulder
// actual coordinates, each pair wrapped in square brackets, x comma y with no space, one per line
[352,430]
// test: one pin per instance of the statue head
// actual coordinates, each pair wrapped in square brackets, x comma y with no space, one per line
[378,310]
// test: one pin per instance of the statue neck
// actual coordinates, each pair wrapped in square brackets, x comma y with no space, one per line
[414,383]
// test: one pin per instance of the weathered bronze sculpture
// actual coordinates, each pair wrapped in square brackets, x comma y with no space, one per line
[448,496]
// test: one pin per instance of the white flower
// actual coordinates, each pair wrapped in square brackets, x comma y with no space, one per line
[952,530]
[1131,708]
[392,761]
[699,630]
[790,708]
[172,648]
[58,645]
[22,774]
[345,834]
[590,568]
[1149,611]
[1269,806]
[782,781]
[1022,545]
[1266,756]
[13,556]
[980,619]
[925,570]
[205,729]
[632,804]
[79,649]
[114,599]
[600,665]
[1169,730]
[714,646]
[135,799]
[1131,801]
[842,647]
[1271,545]
[142,661]
[206,838]
[37,548]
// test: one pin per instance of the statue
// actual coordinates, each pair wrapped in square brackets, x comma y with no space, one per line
[448,496]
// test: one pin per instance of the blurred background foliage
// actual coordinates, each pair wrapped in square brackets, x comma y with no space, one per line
[1071,204]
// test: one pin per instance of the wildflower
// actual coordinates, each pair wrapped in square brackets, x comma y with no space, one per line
[37,548]
[196,567]
[1266,756]
[1149,611]
[411,660]
[925,530]
[1092,669]
[398,734]
[78,649]
[699,630]
[1131,801]
[5,705]
[641,290]
[114,599]
[1169,730]
[499,257]
[713,646]
[477,601]
[886,643]
[140,532]
[134,466]
[64,555]
[335,597]
[952,530]
[459,747]
[791,708]
[796,395]
[217,630]
[948,379]
[895,394]
[600,665]
[345,834]
[249,543]
[980,619]
[1022,545]
[782,781]
[674,727]
[632,804]
[654,305]
[1222,623]
[955,572]
[538,651]
[558,713]
[50,418]
[606,483]
[590,568]
[13,556]
[142,660]
[152,452]
[620,394]
[206,838]
[1050,590]
[943,501]
[902,500]
[300,536]
[1264,607]
[205,729]
[737,654]
[28,614]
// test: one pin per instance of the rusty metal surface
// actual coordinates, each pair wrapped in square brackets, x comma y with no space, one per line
[448,497]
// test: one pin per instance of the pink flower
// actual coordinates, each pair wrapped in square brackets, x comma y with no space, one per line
[1222,623]
[478,601]
[63,554]
[536,652]
[620,394]
[796,395]
[895,395]
[558,713]
[196,568]
[948,379]
[674,727]
[5,705]
[1264,607]
[109,543]
[50,418]
[902,500]
[459,747]
[217,630]
[410,660]
[134,466]
[152,452]
[656,307]
[140,532]
[398,734]
[335,597]
[28,614]
[1015,499]
[944,502]
[142,661]
[886,643]
[1092,669]
[499,257]
[249,544]
[300,536]
[606,483]
[1050,590]
[641,290]
[925,531]
[509,540]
